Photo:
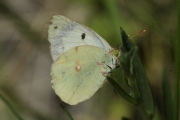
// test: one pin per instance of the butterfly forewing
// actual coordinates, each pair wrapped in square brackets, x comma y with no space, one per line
[64,34]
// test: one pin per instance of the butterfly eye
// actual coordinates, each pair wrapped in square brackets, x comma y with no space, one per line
[83,36]
[116,53]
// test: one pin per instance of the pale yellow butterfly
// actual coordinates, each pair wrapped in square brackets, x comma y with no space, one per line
[82,59]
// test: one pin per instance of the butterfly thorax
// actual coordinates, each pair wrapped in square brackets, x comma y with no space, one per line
[110,62]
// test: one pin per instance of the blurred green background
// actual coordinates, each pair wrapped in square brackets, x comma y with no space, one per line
[25,59]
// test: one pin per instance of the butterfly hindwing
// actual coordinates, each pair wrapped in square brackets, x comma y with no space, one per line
[77,74]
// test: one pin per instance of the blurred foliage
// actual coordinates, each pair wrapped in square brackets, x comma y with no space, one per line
[25,59]
[167,96]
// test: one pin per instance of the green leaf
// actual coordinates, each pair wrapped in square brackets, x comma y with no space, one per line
[120,91]
[134,71]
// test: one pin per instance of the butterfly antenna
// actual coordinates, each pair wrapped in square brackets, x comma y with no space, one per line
[129,37]
[143,31]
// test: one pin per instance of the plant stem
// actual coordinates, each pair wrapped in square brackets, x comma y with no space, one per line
[177,67]
[67,112]
[10,107]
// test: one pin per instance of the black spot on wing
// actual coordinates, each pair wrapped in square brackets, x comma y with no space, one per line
[55,27]
[50,23]
[83,36]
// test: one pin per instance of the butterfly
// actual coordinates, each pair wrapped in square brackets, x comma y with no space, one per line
[81,60]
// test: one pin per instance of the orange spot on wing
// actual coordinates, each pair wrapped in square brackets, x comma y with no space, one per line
[78,66]
[99,63]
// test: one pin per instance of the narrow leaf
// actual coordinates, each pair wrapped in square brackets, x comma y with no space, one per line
[135,71]
[120,91]
[167,97]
